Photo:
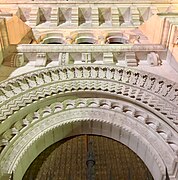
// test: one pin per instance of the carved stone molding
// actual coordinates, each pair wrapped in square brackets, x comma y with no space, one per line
[46,48]
[151,101]
[150,91]
[95,116]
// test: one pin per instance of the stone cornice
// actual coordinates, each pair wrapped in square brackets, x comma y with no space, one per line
[88,1]
[33,48]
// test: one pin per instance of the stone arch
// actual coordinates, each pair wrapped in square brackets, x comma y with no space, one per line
[157,94]
[22,155]
[53,40]
[50,38]
[115,119]
[82,37]
[148,98]
[116,38]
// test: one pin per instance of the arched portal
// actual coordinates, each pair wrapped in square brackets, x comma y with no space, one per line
[70,158]
[128,106]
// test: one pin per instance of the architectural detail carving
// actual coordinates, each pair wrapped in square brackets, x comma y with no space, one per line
[153,59]
[118,106]
[29,51]
[63,58]
[165,109]
[86,57]
[108,58]
[17,60]
[88,69]
[65,110]
[41,59]
[131,59]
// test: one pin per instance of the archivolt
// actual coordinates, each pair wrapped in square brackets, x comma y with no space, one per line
[27,98]
[119,120]
[151,91]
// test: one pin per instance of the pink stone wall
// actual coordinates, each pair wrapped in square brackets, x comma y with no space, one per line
[17,30]
[152,28]
[89,1]
[172,56]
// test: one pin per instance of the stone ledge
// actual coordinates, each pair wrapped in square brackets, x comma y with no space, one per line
[23,48]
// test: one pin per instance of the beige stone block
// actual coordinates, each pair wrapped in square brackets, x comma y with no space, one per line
[153,34]
[133,143]
[41,60]
[108,58]
[125,136]
[16,29]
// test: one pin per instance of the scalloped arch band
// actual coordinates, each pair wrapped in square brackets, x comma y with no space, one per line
[136,108]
